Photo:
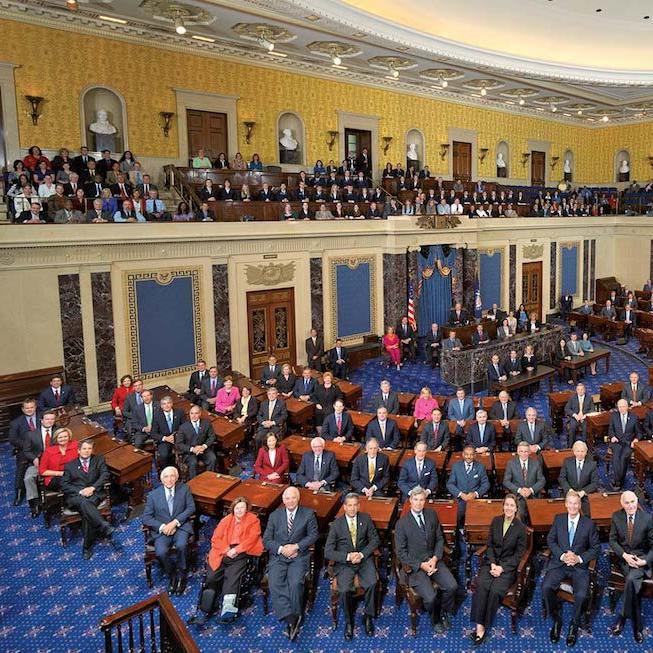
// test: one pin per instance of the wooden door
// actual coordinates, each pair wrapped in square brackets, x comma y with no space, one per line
[356,140]
[538,172]
[271,327]
[207,130]
[462,161]
[531,288]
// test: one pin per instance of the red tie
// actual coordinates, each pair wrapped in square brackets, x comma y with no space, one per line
[47,437]
[31,424]
[338,423]
[56,395]
[85,465]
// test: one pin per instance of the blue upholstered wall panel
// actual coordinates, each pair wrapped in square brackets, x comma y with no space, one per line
[166,324]
[569,269]
[353,293]
[490,270]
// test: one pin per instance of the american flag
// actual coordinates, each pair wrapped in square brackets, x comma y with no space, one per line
[411,307]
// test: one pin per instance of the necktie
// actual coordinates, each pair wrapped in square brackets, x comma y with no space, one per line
[371,469]
[382,426]
[212,386]
[505,411]
[291,522]
[531,428]
[139,399]
[171,501]
[352,530]
[270,409]
[31,424]
[579,469]
[634,392]
[420,522]
[572,532]
[316,469]
[623,423]
[47,438]
[580,404]
[419,469]
[496,368]
[338,423]
[197,427]
[306,384]
[524,471]
[631,527]
[85,465]
[481,431]
[148,414]
[468,468]
[385,397]
[56,395]
[169,420]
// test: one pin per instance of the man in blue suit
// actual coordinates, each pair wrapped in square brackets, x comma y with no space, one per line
[370,473]
[318,468]
[338,426]
[56,395]
[290,532]
[419,470]
[573,541]
[384,430]
[305,386]
[168,512]
[460,408]
[481,435]
[623,431]
[468,481]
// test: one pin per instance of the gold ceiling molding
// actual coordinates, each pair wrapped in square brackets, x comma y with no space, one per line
[263,31]
[440,74]
[392,63]
[270,274]
[171,11]
[334,49]
[532,251]
[519,92]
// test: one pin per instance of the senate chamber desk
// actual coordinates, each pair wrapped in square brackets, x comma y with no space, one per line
[469,366]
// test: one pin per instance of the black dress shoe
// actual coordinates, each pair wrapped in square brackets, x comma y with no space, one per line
[477,640]
[19,497]
[198,619]
[180,586]
[554,634]
[369,625]
[639,636]
[349,632]
[172,585]
[572,635]
[618,627]
[87,553]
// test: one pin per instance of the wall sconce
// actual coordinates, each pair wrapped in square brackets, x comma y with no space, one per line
[386,143]
[444,149]
[35,102]
[333,135]
[524,158]
[554,161]
[167,121]
[483,154]
[249,126]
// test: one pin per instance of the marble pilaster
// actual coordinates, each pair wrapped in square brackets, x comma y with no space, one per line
[74,361]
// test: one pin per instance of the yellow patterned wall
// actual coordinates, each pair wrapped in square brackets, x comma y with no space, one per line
[146,76]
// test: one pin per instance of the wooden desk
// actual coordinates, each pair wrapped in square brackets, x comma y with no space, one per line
[259,393]
[131,467]
[542,512]
[382,510]
[553,460]
[229,435]
[358,354]
[104,443]
[603,506]
[540,373]
[406,402]
[643,460]
[447,512]
[609,328]
[264,497]
[324,504]
[439,458]
[301,414]
[580,319]
[465,333]
[83,428]
[597,427]
[361,421]
[479,514]
[484,458]
[406,426]
[352,392]
[345,452]
[160,391]
[207,489]
[610,394]
[581,362]
[557,403]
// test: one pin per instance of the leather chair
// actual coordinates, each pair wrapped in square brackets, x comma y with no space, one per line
[617,583]
[69,518]
[149,553]
[517,596]
[310,583]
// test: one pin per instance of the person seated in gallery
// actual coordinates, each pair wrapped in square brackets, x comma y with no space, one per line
[480,336]
[452,343]
[458,316]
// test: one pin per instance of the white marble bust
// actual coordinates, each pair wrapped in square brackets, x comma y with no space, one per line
[567,166]
[500,160]
[412,152]
[102,124]
[624,167]
[287,141]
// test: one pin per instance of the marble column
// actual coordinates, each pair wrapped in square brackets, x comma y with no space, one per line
[317,295]
[394,288]
[512,271]
[74,361]
[470,270]
[593,269]
[554,274]
[586,270]
[221,317]
[105,343]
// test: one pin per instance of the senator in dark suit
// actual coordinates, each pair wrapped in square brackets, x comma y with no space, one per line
[165,424]
[635,392]
[504,410]
[195,382]
[272,415]
[387,398]
[574,541]
[524,477]
[467,481]
[534,431]
[83,484]
[271,372]
[578,405]
[19,429]
[209,389]
[141,421]
[496,372]
[506,545]
[195,440]
[318,468]
[305,386]
[351,544]
[56,395]
[384,430]
[338,425]
[458,316]
[407,338]
[314,350]
[290,532]
[434,344]
[579,473]
[622,431]
[370,472]
[338,358]
[435,432]
[419,547]
[418,470]
[631,539]
[481,434]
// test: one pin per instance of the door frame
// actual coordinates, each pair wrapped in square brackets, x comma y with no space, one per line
[532,160]
[348,120]
[540,311]
[465,136]
[471,158]
[211,155]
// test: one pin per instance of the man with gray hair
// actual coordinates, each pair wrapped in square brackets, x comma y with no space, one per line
[318,469]
[165,424]
[623,432]
[579,473]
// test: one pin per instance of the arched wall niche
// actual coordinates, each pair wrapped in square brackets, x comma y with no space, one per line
[290,129]
[95,99]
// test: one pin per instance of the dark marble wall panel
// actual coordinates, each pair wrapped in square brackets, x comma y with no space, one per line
[593,270]
[317,294]
[221,313]
[70,302]
[457,281]
[650,273]
[554,275]
[394,288]
[513,277]
[470,270]
[586,270]
[105,343]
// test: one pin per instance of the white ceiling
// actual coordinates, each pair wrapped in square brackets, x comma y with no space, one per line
[552,48]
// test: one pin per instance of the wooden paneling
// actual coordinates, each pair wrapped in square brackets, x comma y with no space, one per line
[532,288]
[207,130]
[462,160]
[538,171]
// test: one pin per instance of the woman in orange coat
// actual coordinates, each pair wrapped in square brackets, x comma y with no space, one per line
[237,536]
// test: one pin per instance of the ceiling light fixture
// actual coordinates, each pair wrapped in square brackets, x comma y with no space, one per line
[554,108]
[580,112]
[605,118]
[336,60]
[484,91]
[522,102]
[444,83]
[180,28]
[395,73]
[267,45]
[111,19]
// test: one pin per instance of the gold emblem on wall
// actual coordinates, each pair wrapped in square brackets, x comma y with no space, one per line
[532,251]
[164,278]
[270,274]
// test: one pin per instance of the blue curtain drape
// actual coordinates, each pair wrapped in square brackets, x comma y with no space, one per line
[435,294]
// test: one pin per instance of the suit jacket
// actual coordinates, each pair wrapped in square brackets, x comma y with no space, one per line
[513,366]
[304,532]
[541,436]
[589,476]
[574,348]
[160,426]
[316,349]
[328,469]
[46,399]
[573,405]
[392,436]
[410,332]
[501,332]
[567,303]
[435,438]
[391,403]
[413,546]
[506,550]
[92,214]
[460,481]
[279,414]
[493,375]
[187,437]
[90,189]
[157,513]
[32,444]
[284,385]
[474,436]
[78,164]
[138,420]
[477,339]
[116,192]
[642,394]
[333,356]
[205,387]
[641,543]
[528,361]
[463,318]
[330,430]
[129,408]
[252,408]
[19,428]
[586,542]
[448,343]
[432,338]
[75,479]
[626,436]
[513,479]
[496,412]
[267,374]
[360,477]
[194,382]
[609,313]
[633,318]
[454,412]
[263,467]
[300,388]
[409,478]
[339,545]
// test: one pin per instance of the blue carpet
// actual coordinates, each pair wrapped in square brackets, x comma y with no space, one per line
[52,600]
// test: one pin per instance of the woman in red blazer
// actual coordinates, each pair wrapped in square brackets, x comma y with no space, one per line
[120,394]
[237,536]
[272,461]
